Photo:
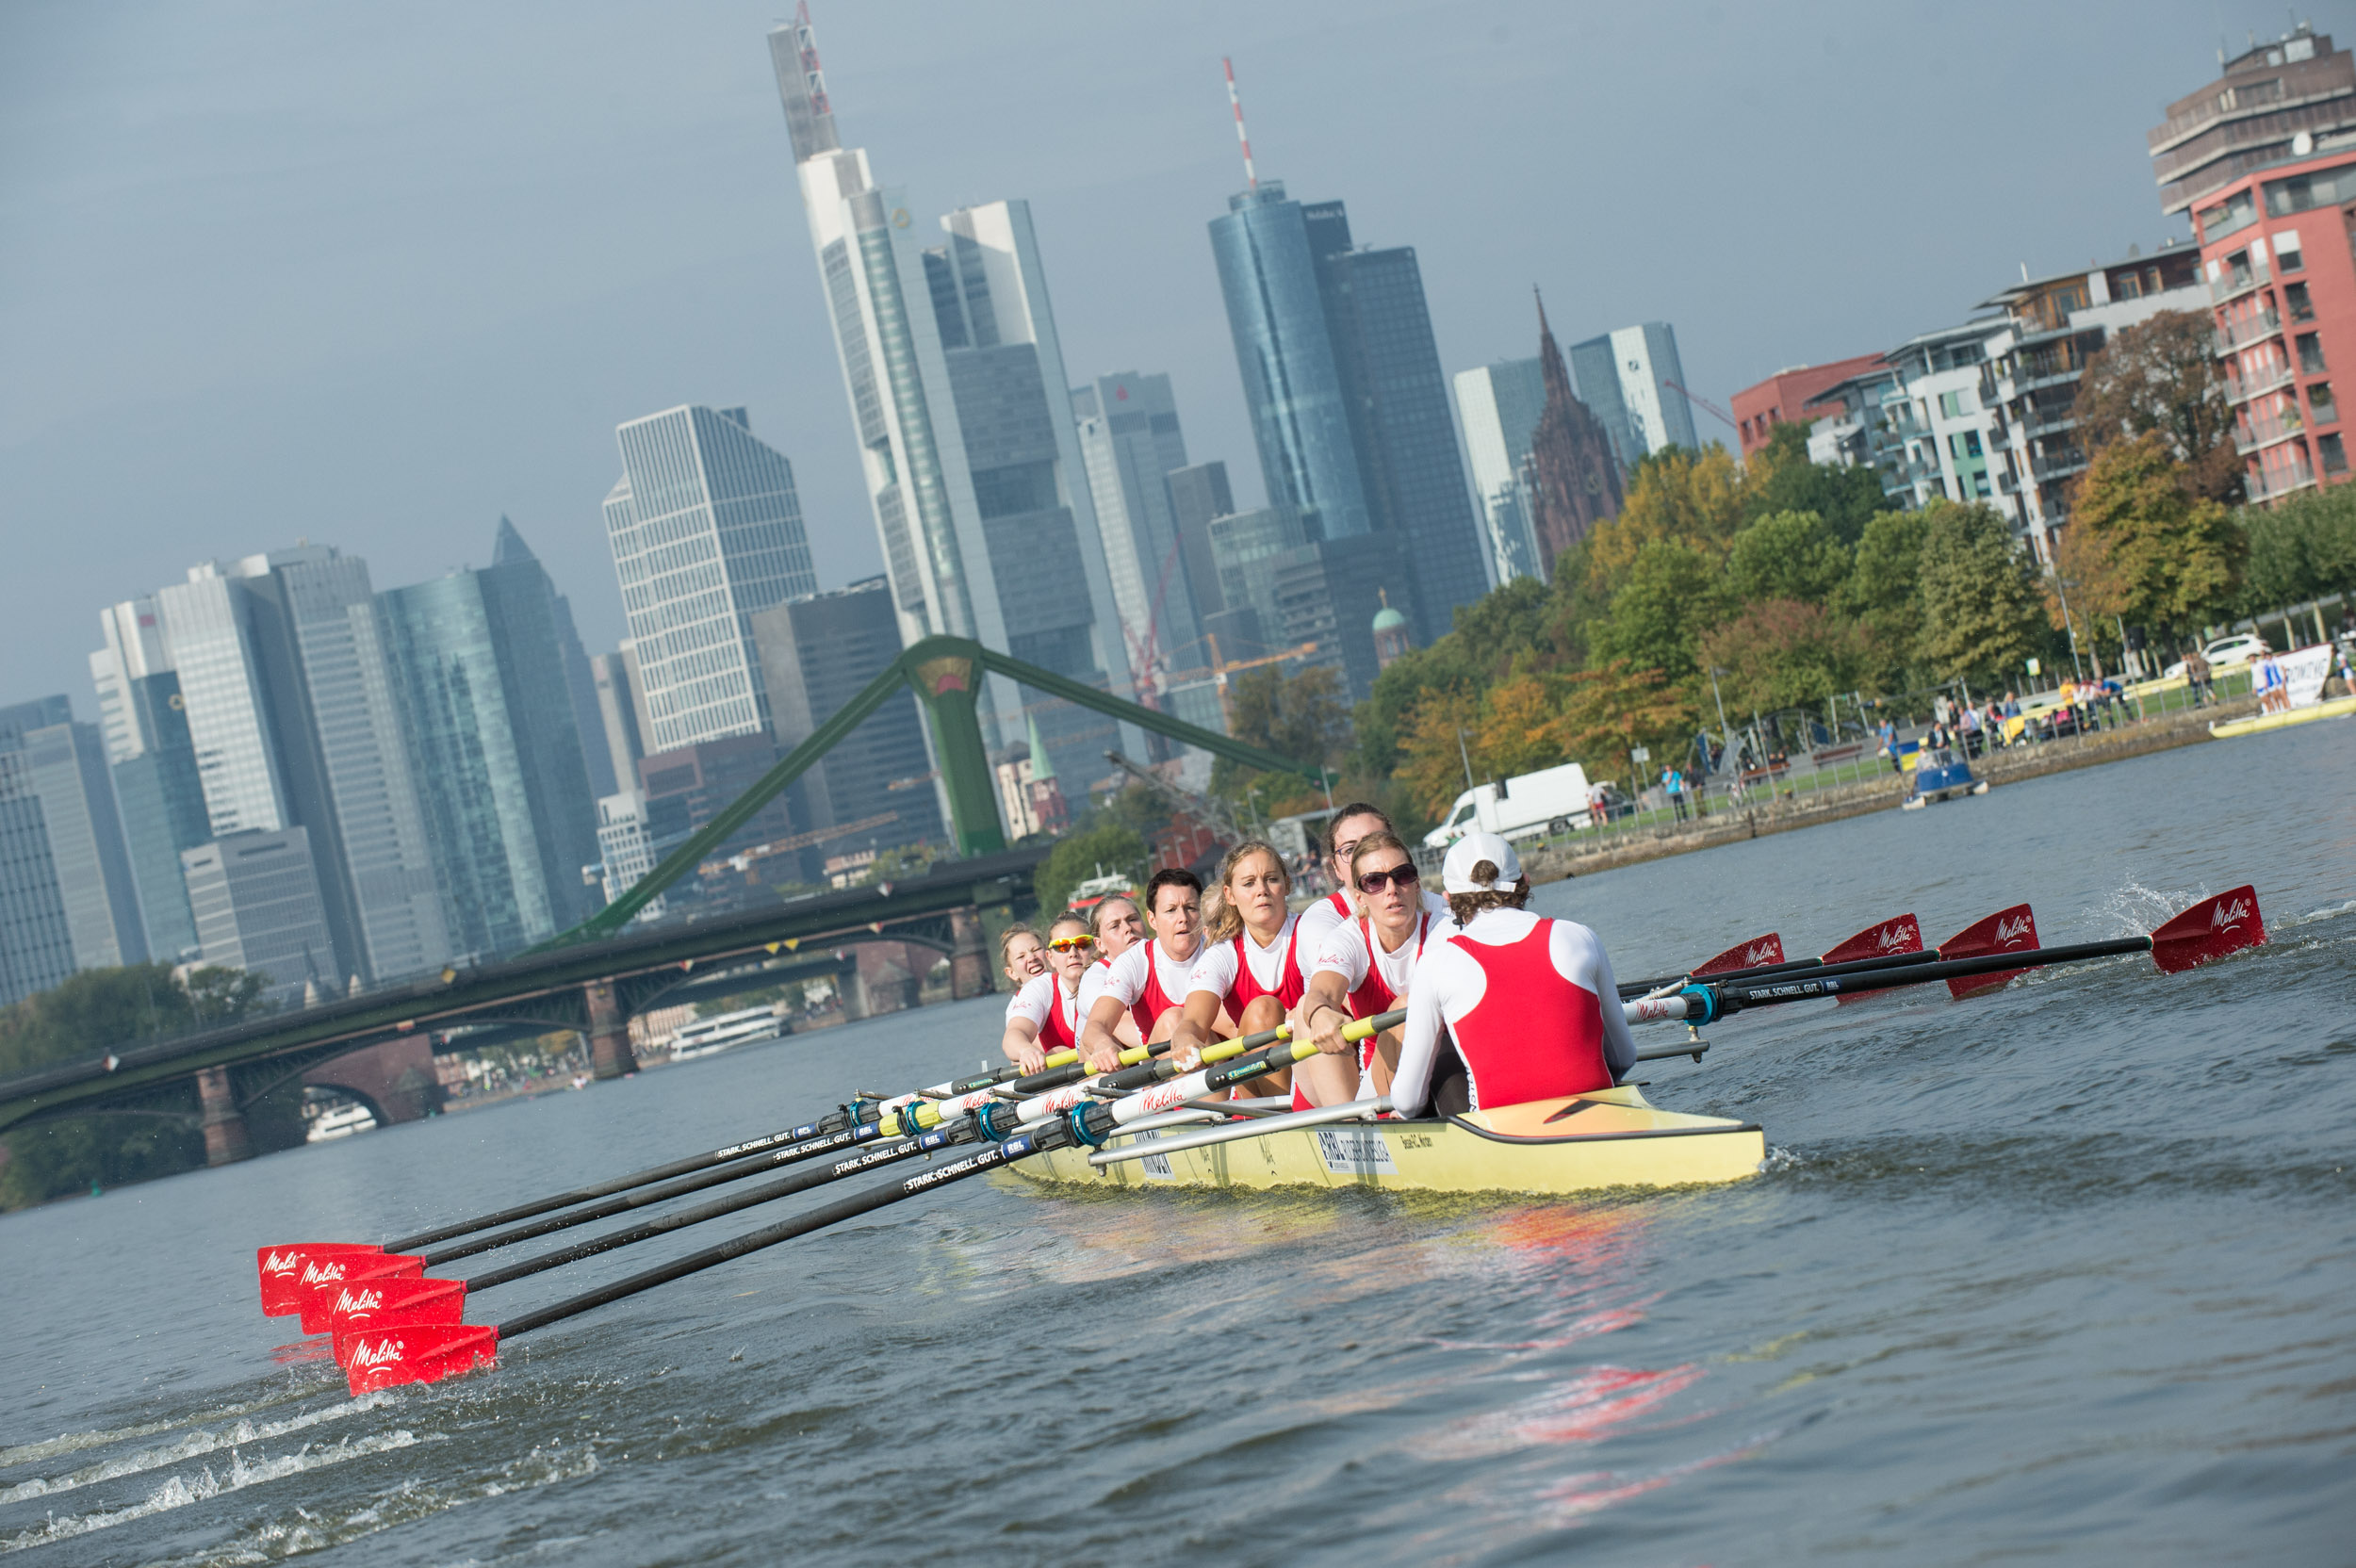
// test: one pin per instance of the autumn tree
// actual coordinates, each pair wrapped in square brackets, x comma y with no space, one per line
[1982,611]
[2151,549]
[1673,591]
[1696,498]
[1299,716]
[2160,377]
[1609,708]
[1782,653]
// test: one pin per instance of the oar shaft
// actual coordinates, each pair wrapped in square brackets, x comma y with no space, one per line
[1813,966]
[1730,998]
[987,1157]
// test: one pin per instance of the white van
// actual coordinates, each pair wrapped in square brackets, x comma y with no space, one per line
[1551,800]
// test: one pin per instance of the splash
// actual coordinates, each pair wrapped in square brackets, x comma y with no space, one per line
[2136,910]
[74,1442]
[192,1445]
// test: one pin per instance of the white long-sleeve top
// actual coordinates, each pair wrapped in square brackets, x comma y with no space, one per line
[1450,984]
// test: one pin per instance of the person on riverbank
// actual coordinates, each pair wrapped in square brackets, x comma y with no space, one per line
[1364,970]
[2197,675]
[1527,1003]
[1251,967]
[1146,984]
[1889,744]
[1044,1016]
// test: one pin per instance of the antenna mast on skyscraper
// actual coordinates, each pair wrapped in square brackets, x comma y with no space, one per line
[808,43]
[1237,102]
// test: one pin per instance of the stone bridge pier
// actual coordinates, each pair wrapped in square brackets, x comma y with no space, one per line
[394,1078]
[969,958]
[609,1055]
[225,1140]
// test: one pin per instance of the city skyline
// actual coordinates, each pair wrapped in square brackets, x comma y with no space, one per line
[1097,207]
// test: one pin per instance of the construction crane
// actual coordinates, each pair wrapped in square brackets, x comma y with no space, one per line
[740,863]
[1715,412]
[1210,813]
[1218,670]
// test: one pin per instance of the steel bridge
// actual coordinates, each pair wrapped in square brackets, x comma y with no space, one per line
[592,978]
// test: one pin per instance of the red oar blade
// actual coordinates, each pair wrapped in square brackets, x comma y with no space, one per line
[421,1353]
[1756,954]
[280,1269]
[325,1280]
[365,1304]
[2006,931]
[1903,934]
[2210,929]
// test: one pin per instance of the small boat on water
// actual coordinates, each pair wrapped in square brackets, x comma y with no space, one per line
[340,1122]
[709,1036]
[1607,1138]
[1939,774]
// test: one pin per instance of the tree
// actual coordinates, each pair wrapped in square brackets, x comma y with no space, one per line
[1609,710]
[1846,498]
[1110,847]
[1507,624]
[1433,745]
[1787,555]
[1884,594]
[1782,653]
[1697,499]
[2301,548]
[2160,377]
[2150,550]
[1672,590]
[1982,609]
[1299,716]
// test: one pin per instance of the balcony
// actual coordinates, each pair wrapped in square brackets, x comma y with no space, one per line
[2008,483]
[2049,424]
[2257,435]
[2295,478]
[2264,382]
[2266,324]
[1999,437]
[2237,281]
[2059,465]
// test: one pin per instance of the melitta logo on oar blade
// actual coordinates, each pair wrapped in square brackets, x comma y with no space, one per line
[2210,929]
[1901,935]
[423,1353]
[385,1303]
[1756,954]
[324,1279]
[280,1269]
[2006,931]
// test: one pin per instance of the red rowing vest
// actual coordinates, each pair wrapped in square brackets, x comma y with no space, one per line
[1533,1035]
[1153,1001]
[1373,997]
[1056,1033]
[1247,989]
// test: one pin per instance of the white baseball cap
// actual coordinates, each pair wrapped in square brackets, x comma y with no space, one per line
[1456,871]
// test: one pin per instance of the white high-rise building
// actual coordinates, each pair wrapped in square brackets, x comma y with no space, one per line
[958,392]
[1499,406]
[705,530]
[1632,380]
[1130,437]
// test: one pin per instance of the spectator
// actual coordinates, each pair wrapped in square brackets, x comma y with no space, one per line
[1673,782]
[2196,677]
[1890,744]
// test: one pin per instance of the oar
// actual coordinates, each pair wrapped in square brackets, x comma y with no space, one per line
[292,1272]
[2003,929]
[2209,930]
[426,1352]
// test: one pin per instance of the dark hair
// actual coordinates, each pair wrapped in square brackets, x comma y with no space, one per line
[1465,905]
[1170,876]
[1355,808]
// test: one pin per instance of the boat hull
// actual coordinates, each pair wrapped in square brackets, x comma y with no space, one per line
[2335,708]
[1611,1138]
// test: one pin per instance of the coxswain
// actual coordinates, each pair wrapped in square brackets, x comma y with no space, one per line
[1363,971]
[1117,926]
[1146,986]
[1044,1016]
[1527,1003]
[1251,966]
[1344,830]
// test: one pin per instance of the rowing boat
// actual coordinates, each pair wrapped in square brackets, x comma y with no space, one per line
[2334,708]
[1609,1139]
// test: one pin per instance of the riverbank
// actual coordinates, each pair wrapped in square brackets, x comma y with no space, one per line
[1586,854]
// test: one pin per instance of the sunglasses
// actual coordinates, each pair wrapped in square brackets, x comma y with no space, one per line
[1066,944]
[1375,881]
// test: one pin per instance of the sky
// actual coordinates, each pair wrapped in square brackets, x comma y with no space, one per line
[373,276]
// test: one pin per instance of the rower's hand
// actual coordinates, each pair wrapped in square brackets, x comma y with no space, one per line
[1031,1057]
[1328,1035]
[1101,1056]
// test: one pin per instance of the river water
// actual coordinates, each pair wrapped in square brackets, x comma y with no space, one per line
[2063,1273]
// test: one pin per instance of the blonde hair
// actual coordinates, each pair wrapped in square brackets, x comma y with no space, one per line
[1379,838]
[1096,915]
[1007,938]
[1070,917]
[1227,920]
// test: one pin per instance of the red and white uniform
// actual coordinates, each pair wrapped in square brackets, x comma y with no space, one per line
[1521,996]
[1329,914]
[1053,1011]
[1377,980]
[1148,981]
[1239,970]
[1092,985]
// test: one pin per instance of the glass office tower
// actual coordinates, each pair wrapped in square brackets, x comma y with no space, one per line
[1500,405]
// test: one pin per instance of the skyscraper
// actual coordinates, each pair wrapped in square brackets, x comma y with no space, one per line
[65,764]
[581,680]
[481,672]
[957,387]
[1130,438]
[705,530]
[163,810]
[817,654]
[292,723]
[258,909]
[1499,405]
[1626,378]
[35,940]
[617,720]
[1348,406]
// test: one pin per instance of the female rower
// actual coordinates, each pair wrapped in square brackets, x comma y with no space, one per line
[1529,1003]
[1344,831]
[1023,952]
[1117,926]
[1145,987]
[1363,970]
[1251,964]
[1044,1016]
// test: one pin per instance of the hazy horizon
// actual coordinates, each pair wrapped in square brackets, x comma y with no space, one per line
[374,280]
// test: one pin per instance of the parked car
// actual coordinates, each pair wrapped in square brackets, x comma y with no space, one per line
[2224,654]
